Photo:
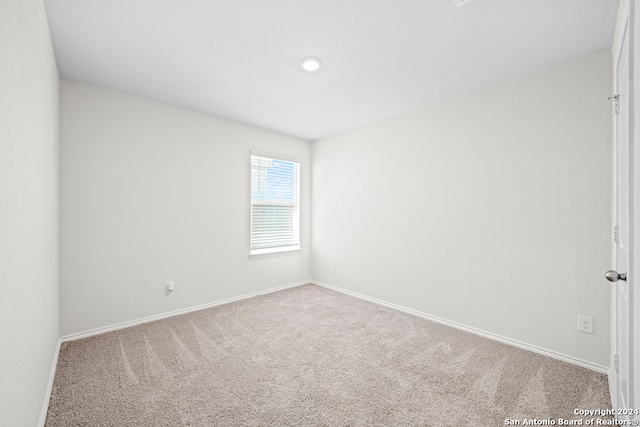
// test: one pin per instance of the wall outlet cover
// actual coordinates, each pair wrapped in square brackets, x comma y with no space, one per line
[585,324]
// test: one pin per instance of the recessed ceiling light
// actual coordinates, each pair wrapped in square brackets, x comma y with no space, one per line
[311,63]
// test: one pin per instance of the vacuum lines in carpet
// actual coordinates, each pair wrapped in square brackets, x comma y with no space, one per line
[309,356]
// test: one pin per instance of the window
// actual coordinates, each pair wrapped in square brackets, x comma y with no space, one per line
[275,205]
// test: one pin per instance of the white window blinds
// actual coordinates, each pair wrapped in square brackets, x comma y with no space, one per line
[275,203]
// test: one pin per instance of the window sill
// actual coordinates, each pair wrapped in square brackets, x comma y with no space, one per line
[263,253]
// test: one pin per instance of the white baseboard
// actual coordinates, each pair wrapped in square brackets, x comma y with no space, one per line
[545,352]
[135,322]
[47,393]
[505,340]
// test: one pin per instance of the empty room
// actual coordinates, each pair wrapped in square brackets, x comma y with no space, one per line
[318,213]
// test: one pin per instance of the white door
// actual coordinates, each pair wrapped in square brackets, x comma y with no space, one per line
[622,274]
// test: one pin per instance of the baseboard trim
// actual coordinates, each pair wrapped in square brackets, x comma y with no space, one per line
[105,329]
[543,351]
[540,350]
[47,394]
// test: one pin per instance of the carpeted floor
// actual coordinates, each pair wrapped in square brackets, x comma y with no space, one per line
[309,356]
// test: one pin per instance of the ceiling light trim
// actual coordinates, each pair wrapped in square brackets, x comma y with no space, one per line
[311,64]
[461,2]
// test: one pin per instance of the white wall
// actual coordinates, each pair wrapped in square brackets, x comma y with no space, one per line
[152,192]
[491,210]
[28,210]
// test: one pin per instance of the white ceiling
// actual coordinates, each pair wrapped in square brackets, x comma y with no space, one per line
[239,59]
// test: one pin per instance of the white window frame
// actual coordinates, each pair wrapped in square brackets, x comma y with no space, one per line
[277,250]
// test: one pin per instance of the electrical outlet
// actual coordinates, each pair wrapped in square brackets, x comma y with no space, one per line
[333,268]
[585,324]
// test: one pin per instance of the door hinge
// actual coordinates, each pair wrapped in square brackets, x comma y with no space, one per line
[616,234]
[616,363]
[616,103]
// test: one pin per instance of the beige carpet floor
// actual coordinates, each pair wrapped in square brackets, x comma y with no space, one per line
[309,356]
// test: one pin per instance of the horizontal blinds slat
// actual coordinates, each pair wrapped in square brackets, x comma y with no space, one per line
[274,202]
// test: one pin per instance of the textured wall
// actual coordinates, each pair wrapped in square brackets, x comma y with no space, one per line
[28,210]
[491,210]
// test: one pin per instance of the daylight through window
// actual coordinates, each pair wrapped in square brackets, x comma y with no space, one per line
[275,204]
